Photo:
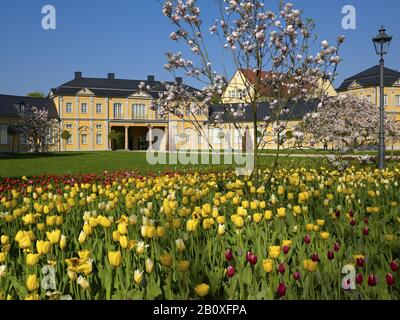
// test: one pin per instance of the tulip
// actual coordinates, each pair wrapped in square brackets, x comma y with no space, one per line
[248,256]
[365,231]
[281,268]
[337,213]
[285,249]
[228,255]
[253,259]
[274,252]
[336,247]
[268,265]
[4,239]
[331,255]
[32,282]
[359,278]
[180,245]
[149,265]
[353,222]
[123,242]
[307,239]
[394,266]
[32,259]
[310,265]
[202,289]
[360,262]
[3,257]
[281,290]
[43,247]
[390,279]
[84,254]
[63,242]
[314,257]
[221,229]
[230,271]
[54,236]
[296,276]
[366,220]
[183,265]
[83,282]
[82,237]
[372,280]
[114,258]
[138,276]
[166,260]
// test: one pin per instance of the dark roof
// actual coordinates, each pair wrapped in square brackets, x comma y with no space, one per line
[371,78]
[111,87]
[10,105]
[298,111]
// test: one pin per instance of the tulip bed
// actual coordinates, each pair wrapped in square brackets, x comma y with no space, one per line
[202,236]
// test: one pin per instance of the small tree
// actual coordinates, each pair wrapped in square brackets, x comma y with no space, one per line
[13,132]
[36,94]
[37,128]
[65,136]
[274,46]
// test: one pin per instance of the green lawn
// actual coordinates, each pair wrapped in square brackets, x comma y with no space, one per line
[19,165]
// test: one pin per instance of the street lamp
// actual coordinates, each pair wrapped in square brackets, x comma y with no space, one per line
[382,43]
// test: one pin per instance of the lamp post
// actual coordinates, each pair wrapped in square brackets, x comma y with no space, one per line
[381,43]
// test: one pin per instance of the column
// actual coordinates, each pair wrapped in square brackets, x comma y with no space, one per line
[92,136]
[60,112]
[77,137]
[150,136]
[108,123]
[126,138]
[166,137]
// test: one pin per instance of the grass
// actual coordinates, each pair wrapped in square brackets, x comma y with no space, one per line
[18,165]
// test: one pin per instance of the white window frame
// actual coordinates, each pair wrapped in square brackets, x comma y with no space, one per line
[385,100]
[99,108]
[397,100]
[117,113]
[84,108]
[84,138]
[68,126]
[68,107]
[99,126]
[99,138]
[70,140]
[139,111]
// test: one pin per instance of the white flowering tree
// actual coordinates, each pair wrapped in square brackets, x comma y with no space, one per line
[39,131]
[274,45]
[348,123]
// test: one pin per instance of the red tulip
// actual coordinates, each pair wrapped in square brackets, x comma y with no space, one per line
[331,255]
[372,280]
[281,291]
[285,249]
[336,246]
[314,257]
[230,271]
[248,256]
[365,231]
[353,222]
[337,213]
[389,279]
[360,262]
[228,255]
[296,275]
[394,266]
[307,239]
[253,259]
[359,278]
[351,213]
[281,268]
[366,220]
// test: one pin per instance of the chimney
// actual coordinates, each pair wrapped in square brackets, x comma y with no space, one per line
[178,80]
[111,76]
[78,75]
[151,78]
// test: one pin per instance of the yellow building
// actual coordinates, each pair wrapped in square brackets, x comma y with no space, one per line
[91,108]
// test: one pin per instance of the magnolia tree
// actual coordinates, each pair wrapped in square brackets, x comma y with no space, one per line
[348,123]
[39,131]
[274,44]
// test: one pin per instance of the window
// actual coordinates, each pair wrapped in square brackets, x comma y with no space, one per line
[84,138]
[22,139]
[99,139]
[84,108]
[231,94]
[69,141]
[385,98]
[397,101]
[99,108]
[98,126]
[68,126]
[69,107]
[187,135]
[117,110]
[138,111]
[237,137]
[217,135]
[369,98]
[200,139]
[3,134]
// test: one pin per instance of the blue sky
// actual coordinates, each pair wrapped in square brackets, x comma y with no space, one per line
[130,38]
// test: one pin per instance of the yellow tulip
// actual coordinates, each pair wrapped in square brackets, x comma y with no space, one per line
[149,266]
[138,276]
[43,247]
[320,222]
[191,225]
[274,252]
[84,254]
[268,215]
[268,265]
[286,243]
[324,235]
[183,265]
[166,260]
[3,257]
[122,228]
[115,258]
[4,239]
[221,229]
[161,231]
[202,289]
[82,237]
[123,242]
[32,259]
[63,242]
[180,245]
[257,217]
[54,236]
[310,265]
[32,282]
[281,212]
